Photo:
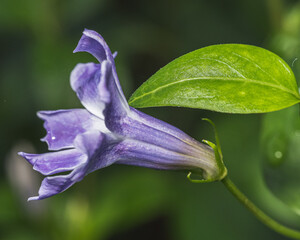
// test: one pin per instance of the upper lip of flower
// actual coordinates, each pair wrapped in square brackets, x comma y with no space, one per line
[109,131]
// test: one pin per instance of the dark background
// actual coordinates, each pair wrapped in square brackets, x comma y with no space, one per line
[122,202]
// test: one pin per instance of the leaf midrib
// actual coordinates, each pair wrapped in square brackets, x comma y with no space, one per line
[221,79]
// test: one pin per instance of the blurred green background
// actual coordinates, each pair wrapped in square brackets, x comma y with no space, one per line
[120,202]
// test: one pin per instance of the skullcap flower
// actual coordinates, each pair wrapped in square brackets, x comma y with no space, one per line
[108,131]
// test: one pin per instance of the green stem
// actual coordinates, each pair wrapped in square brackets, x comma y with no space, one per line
[276,226]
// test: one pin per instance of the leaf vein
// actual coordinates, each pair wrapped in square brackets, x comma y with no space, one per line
[232,68]
[259,67]
[221,79]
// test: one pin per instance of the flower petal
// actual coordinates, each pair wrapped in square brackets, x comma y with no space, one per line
[88,81]
[138,153]
[63,126]
[99,148]
[93,43]
[53,185]
[142,127]
[55,162]
[161,126]
[96,88]
[89,142]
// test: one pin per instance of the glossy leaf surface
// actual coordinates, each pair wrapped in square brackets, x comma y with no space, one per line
[232,78]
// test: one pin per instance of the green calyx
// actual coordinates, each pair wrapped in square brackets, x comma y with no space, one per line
[222,170]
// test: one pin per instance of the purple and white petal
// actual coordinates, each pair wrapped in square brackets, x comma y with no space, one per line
[63,126]
[53,185]
[89,142]
[117,108]
[138,153]
[55,162]
[97,90]
[161,126]
[93,43]
[145,128]
[89,81]
[99,148]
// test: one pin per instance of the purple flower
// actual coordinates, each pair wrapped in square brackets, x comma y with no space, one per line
[109,131]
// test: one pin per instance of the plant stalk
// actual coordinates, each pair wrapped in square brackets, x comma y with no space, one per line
[271,223]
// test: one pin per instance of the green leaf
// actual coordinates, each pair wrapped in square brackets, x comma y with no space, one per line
[232,78]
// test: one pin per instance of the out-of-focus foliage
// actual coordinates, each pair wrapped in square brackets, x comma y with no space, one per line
[37,40]
[281,130]
[281,146]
